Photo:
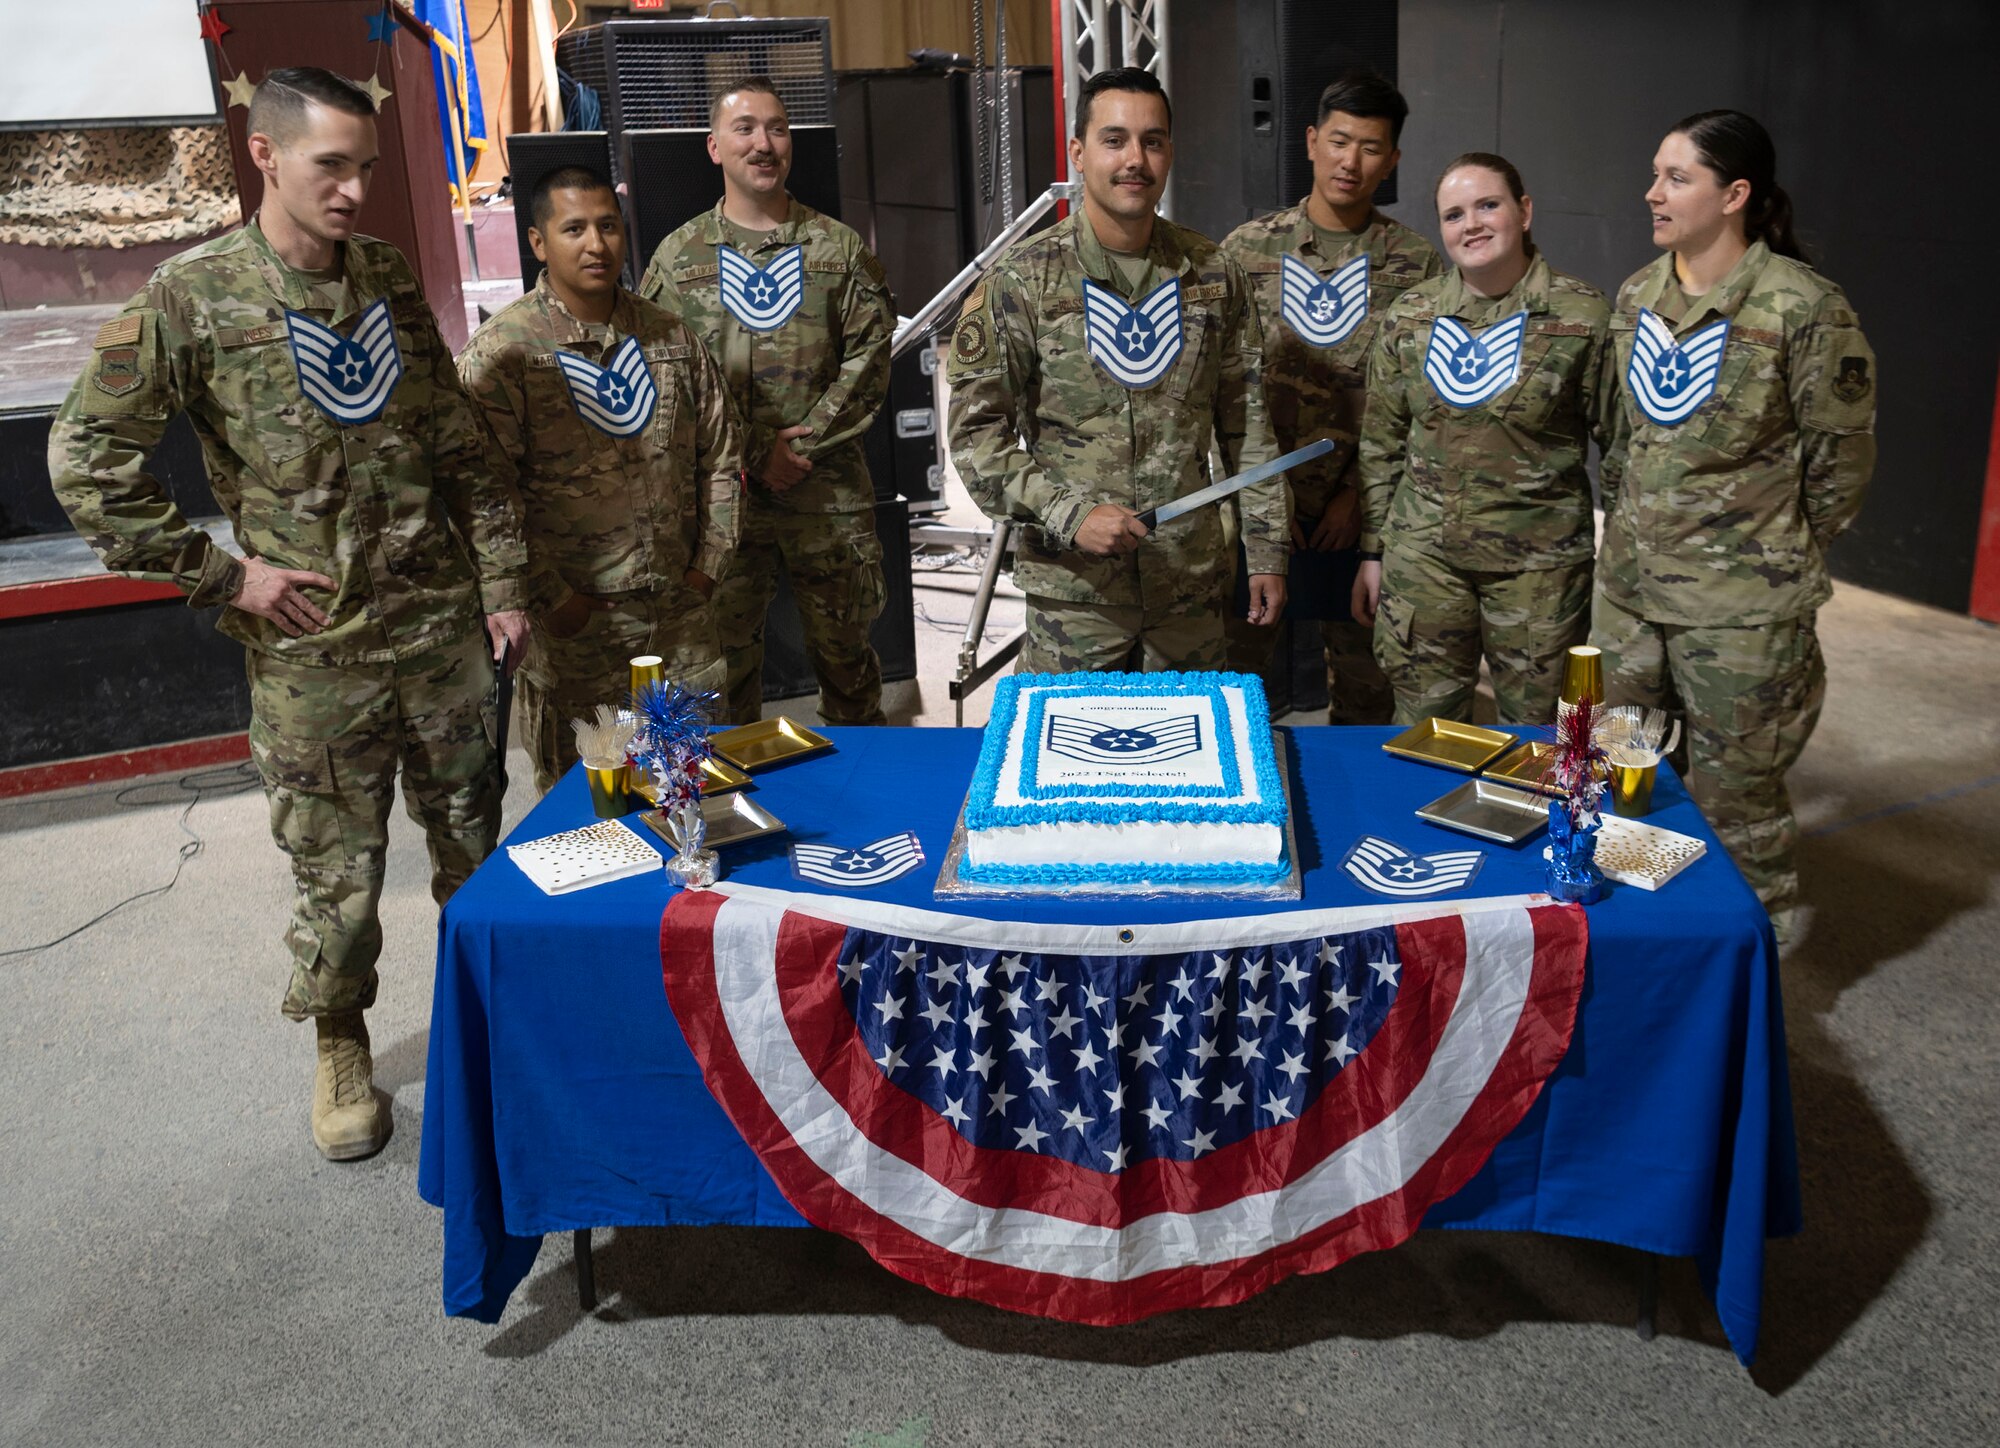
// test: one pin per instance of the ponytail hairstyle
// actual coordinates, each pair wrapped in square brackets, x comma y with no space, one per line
[1487,161]
[1736,148]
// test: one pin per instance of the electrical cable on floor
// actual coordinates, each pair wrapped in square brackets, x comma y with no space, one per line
[222,782]
[957,626]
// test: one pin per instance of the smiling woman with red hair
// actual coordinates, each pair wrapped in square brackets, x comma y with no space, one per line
[1485,387]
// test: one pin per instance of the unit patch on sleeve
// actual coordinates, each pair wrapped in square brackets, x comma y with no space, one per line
[1851,382]
[969,340]
[118,372]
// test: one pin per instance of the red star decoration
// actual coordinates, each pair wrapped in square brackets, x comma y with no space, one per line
[213,27]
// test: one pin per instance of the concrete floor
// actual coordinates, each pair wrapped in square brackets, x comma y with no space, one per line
[179,1266]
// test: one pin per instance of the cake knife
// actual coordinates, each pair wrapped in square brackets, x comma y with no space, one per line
[1167,512]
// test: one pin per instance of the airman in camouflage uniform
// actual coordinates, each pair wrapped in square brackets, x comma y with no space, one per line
[807,388]
[1715,537]
[1044,435]
[1316,357]
[639,523]
[390,512]
[1482,514]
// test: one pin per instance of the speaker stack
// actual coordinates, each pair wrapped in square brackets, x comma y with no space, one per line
[1268,63]
[655,79]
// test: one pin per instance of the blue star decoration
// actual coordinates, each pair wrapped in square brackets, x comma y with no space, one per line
[381,27]
[1137,334]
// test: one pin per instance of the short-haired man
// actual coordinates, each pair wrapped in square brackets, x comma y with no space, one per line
[357,482]
[1090,370]
[1325,270]
[797,313]
[617,432]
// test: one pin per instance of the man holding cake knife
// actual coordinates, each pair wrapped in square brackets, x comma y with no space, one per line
[1090,370]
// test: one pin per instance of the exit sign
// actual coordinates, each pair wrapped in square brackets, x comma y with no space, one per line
[649,4]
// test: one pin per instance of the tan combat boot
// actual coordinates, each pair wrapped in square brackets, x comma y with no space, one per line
[347,1120]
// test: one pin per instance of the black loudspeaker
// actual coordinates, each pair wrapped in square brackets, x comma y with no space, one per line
[530,157]
[911,167]
[787,671]
[670,180]
[1271,59]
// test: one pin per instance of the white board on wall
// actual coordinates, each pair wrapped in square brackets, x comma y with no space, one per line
[103,62]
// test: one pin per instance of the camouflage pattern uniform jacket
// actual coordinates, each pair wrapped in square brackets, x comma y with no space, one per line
[1501,486]
[1042,434]
[609,515]
[1725,517]
[826,367]
[1313,391]
[399,511]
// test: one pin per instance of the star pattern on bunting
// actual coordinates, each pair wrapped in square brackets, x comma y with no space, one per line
[241,90]
[1240,1040]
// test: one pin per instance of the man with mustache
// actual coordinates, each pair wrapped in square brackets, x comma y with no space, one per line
[615,427]
[1090,370]
[798,315]
[1346,263]
[382,570]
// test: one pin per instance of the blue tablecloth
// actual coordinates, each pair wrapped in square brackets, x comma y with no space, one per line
[560,1094]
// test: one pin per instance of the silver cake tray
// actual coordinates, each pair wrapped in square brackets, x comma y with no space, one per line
[951,886]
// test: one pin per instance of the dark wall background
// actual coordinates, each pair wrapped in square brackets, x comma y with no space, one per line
[1880,110]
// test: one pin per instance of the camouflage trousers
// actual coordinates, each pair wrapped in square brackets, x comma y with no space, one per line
[1435,620]
[565,679]
[328,743]
[1357,691]
[834,561]
[1103,638]
[1749,698]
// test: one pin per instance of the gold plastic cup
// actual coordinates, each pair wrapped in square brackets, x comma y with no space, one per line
[607,791]
[1632,789]
[647,669]
[1583,675]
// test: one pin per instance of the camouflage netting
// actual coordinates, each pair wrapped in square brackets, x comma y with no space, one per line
[115,187]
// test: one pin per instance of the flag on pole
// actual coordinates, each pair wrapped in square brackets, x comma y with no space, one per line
[461,114]
[1098,1123]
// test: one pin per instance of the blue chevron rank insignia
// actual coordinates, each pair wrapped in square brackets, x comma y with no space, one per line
[1670,379]
[618,398]
[1467,370]
[1098,743]
[347,378]
[1135,344]
[1324,311]
[762,300]
[1388,869]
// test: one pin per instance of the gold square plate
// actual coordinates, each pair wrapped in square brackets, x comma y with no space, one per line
[767,742]
[1489,810]
[732,819]
[718,776]
[1525,767]
[1465,747]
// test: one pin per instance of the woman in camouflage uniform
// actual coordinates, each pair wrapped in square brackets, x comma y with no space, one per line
[1485,386]
[1745,441]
